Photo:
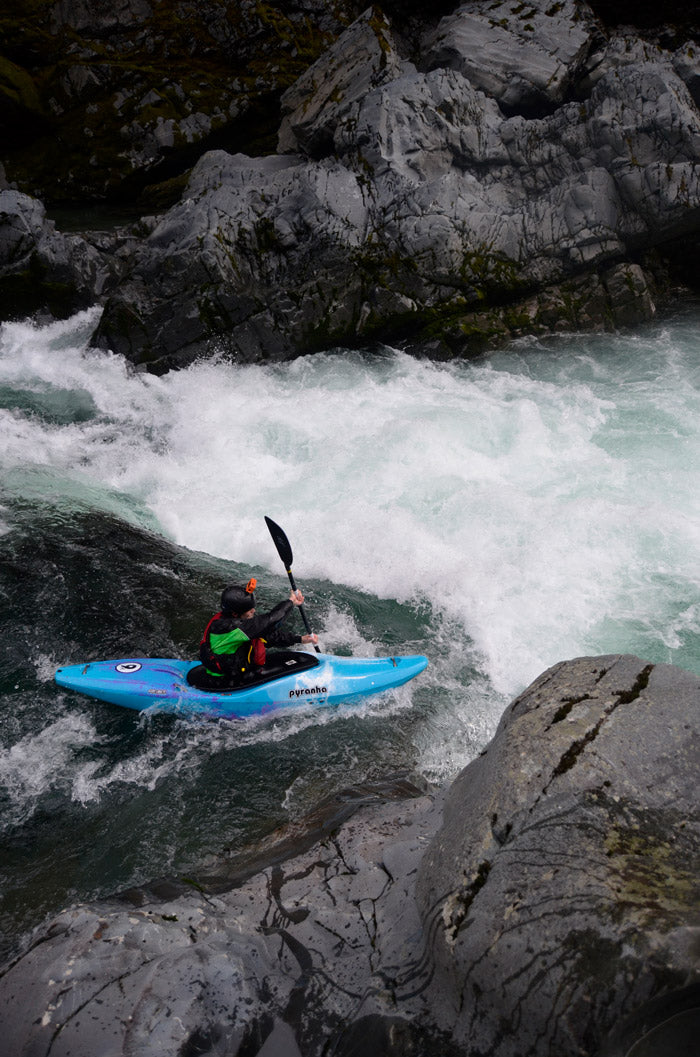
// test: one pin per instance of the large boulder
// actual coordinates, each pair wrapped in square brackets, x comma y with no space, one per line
[561,896]
[447,202]
[525,55]
[320,951]
[364,57]
[259,254]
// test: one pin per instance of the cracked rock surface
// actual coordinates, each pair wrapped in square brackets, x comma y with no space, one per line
[562,894]
[305,954]
[547,904]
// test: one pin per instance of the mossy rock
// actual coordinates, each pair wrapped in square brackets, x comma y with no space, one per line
[99,139]
[21,110]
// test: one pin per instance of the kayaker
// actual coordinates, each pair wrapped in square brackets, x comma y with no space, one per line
[234,640]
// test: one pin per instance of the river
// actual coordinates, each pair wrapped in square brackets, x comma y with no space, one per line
[499,515]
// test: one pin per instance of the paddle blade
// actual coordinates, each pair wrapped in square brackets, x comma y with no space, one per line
[281,542]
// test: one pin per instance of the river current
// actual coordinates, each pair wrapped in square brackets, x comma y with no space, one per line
[499,515]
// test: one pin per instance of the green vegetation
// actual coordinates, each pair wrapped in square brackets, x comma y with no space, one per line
[103,97]
[653,880]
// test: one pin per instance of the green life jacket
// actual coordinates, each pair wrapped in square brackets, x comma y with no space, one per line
[223,652]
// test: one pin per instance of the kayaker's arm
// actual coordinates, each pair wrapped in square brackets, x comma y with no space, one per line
[297,599]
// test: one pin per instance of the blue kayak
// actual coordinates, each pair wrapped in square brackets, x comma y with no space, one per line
[288,679]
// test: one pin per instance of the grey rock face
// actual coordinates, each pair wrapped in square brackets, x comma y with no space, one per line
[434,203]
[561,894]
[40,267]
[259,250]
[363,57]
[551,909]
[686,63]
[524,55]
[528,152]
[311,954]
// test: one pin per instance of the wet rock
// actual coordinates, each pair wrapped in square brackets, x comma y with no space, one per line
[630,296]
[561,893]
[315,952]
[259,253]
[550,908]
[619,296]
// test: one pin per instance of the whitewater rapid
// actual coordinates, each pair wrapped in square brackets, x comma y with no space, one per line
[542,502]
[499,515]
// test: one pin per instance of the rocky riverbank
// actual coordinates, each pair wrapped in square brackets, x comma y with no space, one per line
[442,183]
[546,903]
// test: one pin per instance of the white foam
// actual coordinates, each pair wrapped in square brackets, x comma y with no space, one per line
[544,503]
[160,758]
[39,763]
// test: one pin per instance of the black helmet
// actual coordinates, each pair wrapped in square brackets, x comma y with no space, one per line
[238,598]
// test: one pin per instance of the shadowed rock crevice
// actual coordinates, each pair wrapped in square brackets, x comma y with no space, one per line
[624,697]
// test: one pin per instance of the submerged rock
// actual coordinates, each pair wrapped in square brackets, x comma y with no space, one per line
[552,909]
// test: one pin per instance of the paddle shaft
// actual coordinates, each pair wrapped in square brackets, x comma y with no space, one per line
[301,608]
[285,552]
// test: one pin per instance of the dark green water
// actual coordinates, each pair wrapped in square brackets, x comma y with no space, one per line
[93,798]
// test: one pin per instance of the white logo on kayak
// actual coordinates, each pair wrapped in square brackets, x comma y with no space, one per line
[128,666]
[308,690]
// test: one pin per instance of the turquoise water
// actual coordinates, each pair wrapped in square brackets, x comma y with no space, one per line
[501,515]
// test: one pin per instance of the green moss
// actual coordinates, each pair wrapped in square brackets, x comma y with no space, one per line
[17,87]
[653,876]
[211,316]
[261,51]
[379,25]
[489,271]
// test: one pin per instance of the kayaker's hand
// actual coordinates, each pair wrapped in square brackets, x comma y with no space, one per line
[296,597]
[313,638]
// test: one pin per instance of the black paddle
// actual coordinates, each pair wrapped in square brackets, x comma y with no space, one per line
[285,552]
